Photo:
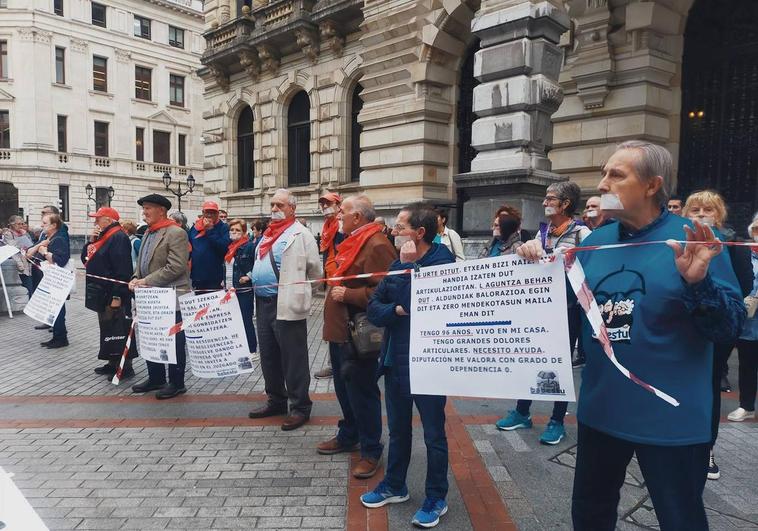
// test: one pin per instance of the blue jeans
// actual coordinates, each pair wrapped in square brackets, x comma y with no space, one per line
[399,418]
[59,326]
[355,384]
[675,477]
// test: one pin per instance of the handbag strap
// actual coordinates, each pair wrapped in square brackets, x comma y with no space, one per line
[273,263]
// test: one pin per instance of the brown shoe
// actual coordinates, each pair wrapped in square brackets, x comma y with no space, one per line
[293,422]
[268,411]
[366,467]
[323,374]
[333,446]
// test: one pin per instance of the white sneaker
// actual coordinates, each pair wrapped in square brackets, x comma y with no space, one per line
[740,414]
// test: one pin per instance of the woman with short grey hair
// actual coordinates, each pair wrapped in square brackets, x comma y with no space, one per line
[16,236]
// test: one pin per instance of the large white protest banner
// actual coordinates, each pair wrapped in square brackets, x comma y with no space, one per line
[217,343]
[491,328]
[156,314]
[51,294]
[6,251]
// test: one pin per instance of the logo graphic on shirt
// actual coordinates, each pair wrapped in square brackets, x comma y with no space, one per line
[547,384]
[617,307]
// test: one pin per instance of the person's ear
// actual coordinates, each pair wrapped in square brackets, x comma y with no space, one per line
[421,231]
[653,186]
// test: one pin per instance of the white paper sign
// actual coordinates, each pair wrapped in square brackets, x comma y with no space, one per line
[6,251]
[217,343]
[51,294]
[491,328]
[156,314]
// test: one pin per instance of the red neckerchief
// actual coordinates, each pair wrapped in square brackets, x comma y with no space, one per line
[560,229]
[200,228]
[95,246]
[328,232]
[233,248]
[272,233]
[348,250]
[160,225]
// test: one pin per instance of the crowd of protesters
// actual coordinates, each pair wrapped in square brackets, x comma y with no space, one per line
[698,304]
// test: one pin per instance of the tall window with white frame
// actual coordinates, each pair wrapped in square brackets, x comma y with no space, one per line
[5,130]
[139,144]
[161,147]
[142,27]
[58,7]
[176,90]
[99,15]
[298,140]
[176,37]
[101,139]
[3,59]
[182,151]
[245,162]
[142,83]
[60,65]
[355,135]
[100,74]
[62,133]
[63,196]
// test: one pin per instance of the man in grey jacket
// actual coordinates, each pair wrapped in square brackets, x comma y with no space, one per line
[286,256]
[163,262]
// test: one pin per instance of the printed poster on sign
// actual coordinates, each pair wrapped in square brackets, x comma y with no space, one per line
[51,294]
[491,328]
[216,343]
[156,314]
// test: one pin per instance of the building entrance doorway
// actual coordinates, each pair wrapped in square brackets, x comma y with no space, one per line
[8,202]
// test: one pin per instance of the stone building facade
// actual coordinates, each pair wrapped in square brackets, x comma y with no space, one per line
[102,93]
[473,103]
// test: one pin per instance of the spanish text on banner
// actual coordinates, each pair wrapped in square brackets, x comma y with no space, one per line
[156,314]
[491,328]
[51,294]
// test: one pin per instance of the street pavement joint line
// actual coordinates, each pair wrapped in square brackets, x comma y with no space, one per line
[157,422]
[79,399]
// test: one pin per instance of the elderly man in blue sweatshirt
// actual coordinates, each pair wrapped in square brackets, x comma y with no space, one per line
[209,238]
[664,307]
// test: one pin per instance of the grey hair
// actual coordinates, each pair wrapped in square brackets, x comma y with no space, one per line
[364,206]
[654,161]
[15,219]
[567,191]
[291,199]
[179,217]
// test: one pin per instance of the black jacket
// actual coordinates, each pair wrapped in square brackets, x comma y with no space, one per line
[741,262]
[112,260]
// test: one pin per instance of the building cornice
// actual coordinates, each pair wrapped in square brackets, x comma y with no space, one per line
[182,6]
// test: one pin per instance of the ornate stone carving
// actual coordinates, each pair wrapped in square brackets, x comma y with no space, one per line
[34,35]
[222,80]
[224,12]
[79,45]
[308,42]
[331,37]
[269,59]
[251,65]
[123,56]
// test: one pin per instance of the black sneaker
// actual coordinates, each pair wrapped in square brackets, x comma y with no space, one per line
[170,391]
[43,327]
[713,469]
[107,369]
[725,386]
[55,343]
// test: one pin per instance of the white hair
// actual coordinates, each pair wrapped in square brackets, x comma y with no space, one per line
[291,199]
[653,161]
[364,206]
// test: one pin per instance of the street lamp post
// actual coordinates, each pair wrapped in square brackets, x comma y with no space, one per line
[178,191]
[90,191]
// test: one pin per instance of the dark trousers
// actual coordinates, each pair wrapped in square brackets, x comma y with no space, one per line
[59,326]
[721,353]
[748,354]
[284,358]
[399,419]
[716,390]
[206,286]
[27,282]
[355,383]
[675,478]
[157,371]
[247,301]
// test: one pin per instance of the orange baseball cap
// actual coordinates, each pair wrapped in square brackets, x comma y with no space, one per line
[107,212]
[210,205]
[330,197]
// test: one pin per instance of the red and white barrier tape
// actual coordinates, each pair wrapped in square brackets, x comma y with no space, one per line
[120,371]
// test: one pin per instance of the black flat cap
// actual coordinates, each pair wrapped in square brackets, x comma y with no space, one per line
[155,199]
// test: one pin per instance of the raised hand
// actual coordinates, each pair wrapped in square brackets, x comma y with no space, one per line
[693,260]
[531,250]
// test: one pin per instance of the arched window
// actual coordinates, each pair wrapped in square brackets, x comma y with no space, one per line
[298,140]
[355,135]
[245,164]
[466,116]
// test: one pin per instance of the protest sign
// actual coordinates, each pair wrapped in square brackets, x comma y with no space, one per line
[51,294]
[491,328]
[156,314]
[216,344]
[6,251]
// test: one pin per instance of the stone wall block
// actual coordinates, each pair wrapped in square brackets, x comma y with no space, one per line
[516,94]
[505,130]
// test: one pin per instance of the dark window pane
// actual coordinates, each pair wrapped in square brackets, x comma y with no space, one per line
[355,136]
[101,139]
[58,7]
[139,144]
[161,147]
[176,37]
[182,150]
[100,73]
[141,27]
[466,117]
[63,196]
[98,15]
[298,140]
[4,59]
[5,130]
[60,65]
[245,163]
[142,82]
[62,140]
[176,90]
[101,197]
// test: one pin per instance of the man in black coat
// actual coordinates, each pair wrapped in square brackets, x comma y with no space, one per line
[109,254]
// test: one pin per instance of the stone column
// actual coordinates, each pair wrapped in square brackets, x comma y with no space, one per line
[518,67]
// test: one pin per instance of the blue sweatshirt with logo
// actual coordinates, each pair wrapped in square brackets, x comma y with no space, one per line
[662,329]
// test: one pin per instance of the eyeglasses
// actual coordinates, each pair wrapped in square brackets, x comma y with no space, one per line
[549,198]
[399,227]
